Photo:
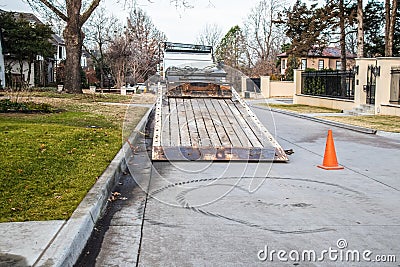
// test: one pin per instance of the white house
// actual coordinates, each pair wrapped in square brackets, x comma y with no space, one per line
[59,56]
[15,68]
[43,70]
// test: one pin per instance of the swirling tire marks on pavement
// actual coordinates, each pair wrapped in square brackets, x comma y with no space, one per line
[181,199]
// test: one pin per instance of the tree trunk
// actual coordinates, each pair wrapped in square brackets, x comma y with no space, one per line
[73,46]
[387,31]
[21,73]
[73,37]
[391,29]
[360,29]
[342,27]
[28,78]
[101,75]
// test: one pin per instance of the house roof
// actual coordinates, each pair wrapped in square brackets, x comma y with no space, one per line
[57,39]
[22,15]
[85,53]
[28,16]
[330,52]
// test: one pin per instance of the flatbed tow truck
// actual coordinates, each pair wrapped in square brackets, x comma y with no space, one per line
[200,116]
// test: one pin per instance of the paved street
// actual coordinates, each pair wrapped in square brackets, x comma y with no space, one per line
[237,214]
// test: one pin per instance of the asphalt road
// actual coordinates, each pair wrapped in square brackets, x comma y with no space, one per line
[238,214]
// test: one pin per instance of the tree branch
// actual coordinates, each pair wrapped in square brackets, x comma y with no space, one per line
[55,10]
[85,16]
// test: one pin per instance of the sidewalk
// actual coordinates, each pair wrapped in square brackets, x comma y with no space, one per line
[22,243]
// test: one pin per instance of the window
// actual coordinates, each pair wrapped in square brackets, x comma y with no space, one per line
[83,62]
[303,64]
[395,85]
[283,64]
[338,65]
[321,64]
[60,52]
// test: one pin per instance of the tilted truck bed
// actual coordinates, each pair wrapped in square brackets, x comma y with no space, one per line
[210,129]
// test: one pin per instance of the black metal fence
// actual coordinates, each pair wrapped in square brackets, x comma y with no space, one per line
[335,84]
[253,85]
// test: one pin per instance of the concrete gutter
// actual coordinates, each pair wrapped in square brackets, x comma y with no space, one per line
[328,122]
[67,245]
[394,136]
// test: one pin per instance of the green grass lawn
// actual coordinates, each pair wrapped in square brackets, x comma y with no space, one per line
[85,98]
[303,108]
[50,161]
[377,122]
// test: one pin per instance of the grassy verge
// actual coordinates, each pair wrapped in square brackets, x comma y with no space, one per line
[50,161]
[302,108]
[84,98]
[378,122]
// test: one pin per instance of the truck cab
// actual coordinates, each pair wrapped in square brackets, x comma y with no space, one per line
[190,71]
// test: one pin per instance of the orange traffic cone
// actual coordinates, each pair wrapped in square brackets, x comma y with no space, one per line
[330,161]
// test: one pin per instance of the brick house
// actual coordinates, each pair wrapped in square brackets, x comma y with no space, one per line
[328,58]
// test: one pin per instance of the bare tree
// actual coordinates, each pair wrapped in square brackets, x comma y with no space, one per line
[98,35]
[352,40]
[211,35]
[263,37]
[116,56]
[144,45]
[390,20]
[133,54]
[56,24]
[360,29]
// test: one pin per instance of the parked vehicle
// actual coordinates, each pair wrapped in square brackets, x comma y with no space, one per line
[141,88]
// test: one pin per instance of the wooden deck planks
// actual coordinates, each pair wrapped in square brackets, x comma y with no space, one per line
[220,130]
[211,129]
[165,124]
[201,127]
[191,123]
[174,124]
[182,123]
[227,123]
[209,124]
[249,133]
[236,125]
[251,120]
[240,133]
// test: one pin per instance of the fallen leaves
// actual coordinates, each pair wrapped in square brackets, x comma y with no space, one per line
[72,151]
[116,196]
[42,148]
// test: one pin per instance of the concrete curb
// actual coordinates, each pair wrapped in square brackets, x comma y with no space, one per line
[394,136]
[328,122]
[67,245]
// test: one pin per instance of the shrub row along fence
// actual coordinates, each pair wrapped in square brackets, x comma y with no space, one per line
[335,84]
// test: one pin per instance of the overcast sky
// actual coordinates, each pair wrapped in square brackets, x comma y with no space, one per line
[180,25]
